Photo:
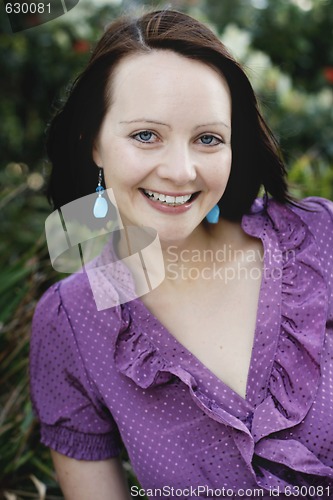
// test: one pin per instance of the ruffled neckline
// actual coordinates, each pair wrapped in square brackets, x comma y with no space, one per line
[293,348]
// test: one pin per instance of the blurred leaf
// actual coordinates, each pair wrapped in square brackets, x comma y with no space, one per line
[9,496]
[41,488]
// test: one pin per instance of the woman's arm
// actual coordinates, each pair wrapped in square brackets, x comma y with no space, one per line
[88,480]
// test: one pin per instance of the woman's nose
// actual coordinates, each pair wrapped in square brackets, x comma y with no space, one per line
[178,165]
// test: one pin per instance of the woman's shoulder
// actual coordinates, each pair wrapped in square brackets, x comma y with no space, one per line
[74,286]
[69,305]
[313,207]
[70,292]
[302,229]
[317,214]
[308,208]
[306,227]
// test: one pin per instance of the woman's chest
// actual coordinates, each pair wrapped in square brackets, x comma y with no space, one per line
[216,324]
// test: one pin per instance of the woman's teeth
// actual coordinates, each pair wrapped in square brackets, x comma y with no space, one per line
[166,199]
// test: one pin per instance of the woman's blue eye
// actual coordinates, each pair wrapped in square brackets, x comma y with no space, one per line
[144,136]
[209,140]
[148,136]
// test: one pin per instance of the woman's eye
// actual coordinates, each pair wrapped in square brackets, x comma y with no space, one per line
[144,136]
[209,140]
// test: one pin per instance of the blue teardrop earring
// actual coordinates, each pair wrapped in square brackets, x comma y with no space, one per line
[101,205]
[213,215]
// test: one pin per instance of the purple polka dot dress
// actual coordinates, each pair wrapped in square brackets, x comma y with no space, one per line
[101,380]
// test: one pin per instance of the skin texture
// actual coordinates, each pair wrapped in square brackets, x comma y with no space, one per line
[85,480]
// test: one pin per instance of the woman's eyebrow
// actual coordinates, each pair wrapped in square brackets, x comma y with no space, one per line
[212,124]
[138,120]
[146,120]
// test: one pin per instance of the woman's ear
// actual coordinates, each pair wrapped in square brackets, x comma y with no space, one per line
[96,156]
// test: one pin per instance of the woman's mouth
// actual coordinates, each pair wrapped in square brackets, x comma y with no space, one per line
[169,200]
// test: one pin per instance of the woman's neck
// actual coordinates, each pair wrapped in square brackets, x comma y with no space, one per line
[169,261]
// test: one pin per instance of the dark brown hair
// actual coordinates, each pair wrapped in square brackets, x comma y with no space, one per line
[256,160]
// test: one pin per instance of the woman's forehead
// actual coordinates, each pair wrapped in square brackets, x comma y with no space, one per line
[164,80]
[158,64]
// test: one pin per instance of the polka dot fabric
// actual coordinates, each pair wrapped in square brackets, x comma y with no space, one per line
[105,379]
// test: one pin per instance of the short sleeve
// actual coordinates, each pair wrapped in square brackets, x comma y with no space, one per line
[73,420]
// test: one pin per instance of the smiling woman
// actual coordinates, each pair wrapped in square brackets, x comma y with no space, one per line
[177,159]
[219,379]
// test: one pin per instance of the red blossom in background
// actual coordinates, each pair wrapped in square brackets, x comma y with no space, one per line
[328,73]
[81,46]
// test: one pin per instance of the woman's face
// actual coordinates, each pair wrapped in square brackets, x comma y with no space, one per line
[164,143]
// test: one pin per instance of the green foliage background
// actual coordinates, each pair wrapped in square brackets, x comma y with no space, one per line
[286,48]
